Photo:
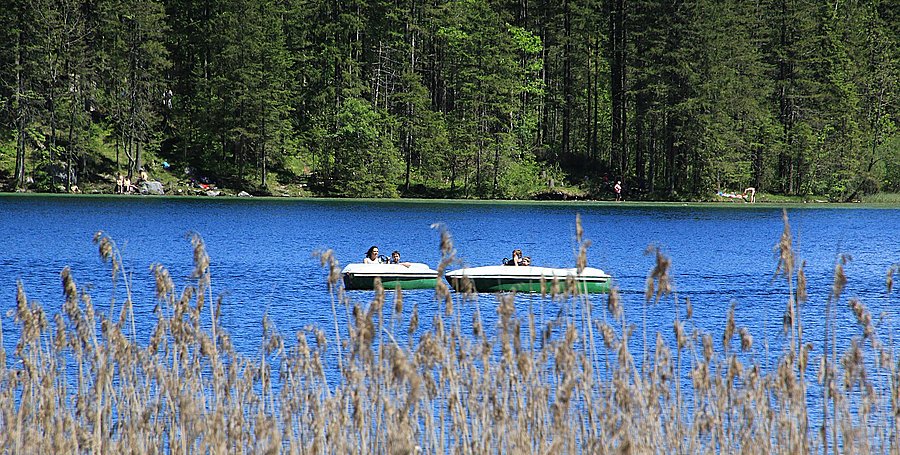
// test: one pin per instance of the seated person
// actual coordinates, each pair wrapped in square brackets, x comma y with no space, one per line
[395,259]
[516,258]
[372,256]
[526,261]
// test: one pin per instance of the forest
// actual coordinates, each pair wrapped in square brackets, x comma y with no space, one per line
[501,99]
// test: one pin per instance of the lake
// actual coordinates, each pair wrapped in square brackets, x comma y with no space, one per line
[263,255]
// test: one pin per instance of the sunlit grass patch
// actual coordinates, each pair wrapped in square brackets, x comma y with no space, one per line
[882,198]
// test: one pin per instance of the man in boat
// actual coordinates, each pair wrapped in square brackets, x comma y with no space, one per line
[395,259]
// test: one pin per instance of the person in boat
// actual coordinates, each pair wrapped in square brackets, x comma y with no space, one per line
[395,259]
[517,258]
[372,256]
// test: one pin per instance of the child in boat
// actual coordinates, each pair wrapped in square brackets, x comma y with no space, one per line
[395,259]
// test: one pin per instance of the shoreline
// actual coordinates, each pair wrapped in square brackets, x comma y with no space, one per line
[416,201]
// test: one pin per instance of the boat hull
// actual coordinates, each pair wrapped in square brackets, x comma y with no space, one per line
[368,282]
[363,276]
[527,279]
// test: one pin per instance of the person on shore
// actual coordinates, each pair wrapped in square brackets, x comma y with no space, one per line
[372,256]
[618,190]
[750,195]
[395,259]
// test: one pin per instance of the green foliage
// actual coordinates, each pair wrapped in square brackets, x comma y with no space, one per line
[366,163]
[526,177]
[458,97]
[7,150]
[891,163]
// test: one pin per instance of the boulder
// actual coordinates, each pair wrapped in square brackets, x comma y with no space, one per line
[244,194]
[151,187]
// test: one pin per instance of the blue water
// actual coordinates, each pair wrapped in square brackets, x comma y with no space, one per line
[263,255]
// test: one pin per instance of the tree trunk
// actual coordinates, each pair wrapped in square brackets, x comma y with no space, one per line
[640,142]
[264,170]
[652,154]
[617,73]
[407,148]
[19,116]
[594,101]
[670,155]
[70,147]
[478,160]
[567,82]
[785,108]
[496,184]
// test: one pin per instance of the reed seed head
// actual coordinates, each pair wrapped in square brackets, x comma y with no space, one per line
[729,328]
[614,303]
[785,249]
[680,335]
[413,320]
[707,347]
[840,279]
[746,339]
[579,230]
[802,296]
[890,278]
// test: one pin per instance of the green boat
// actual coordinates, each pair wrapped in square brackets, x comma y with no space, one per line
[362,276]
[499,278]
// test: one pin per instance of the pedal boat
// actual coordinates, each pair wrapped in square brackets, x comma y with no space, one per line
[358,276]
[499,278]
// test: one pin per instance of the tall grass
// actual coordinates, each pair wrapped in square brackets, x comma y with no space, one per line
[882,198]
[78,382]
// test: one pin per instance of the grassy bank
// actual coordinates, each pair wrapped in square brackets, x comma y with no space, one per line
[78,382]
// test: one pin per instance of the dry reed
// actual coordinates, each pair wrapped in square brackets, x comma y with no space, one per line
[77,382]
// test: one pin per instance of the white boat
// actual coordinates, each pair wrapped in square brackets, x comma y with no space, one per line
[497,278]
[416,276]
